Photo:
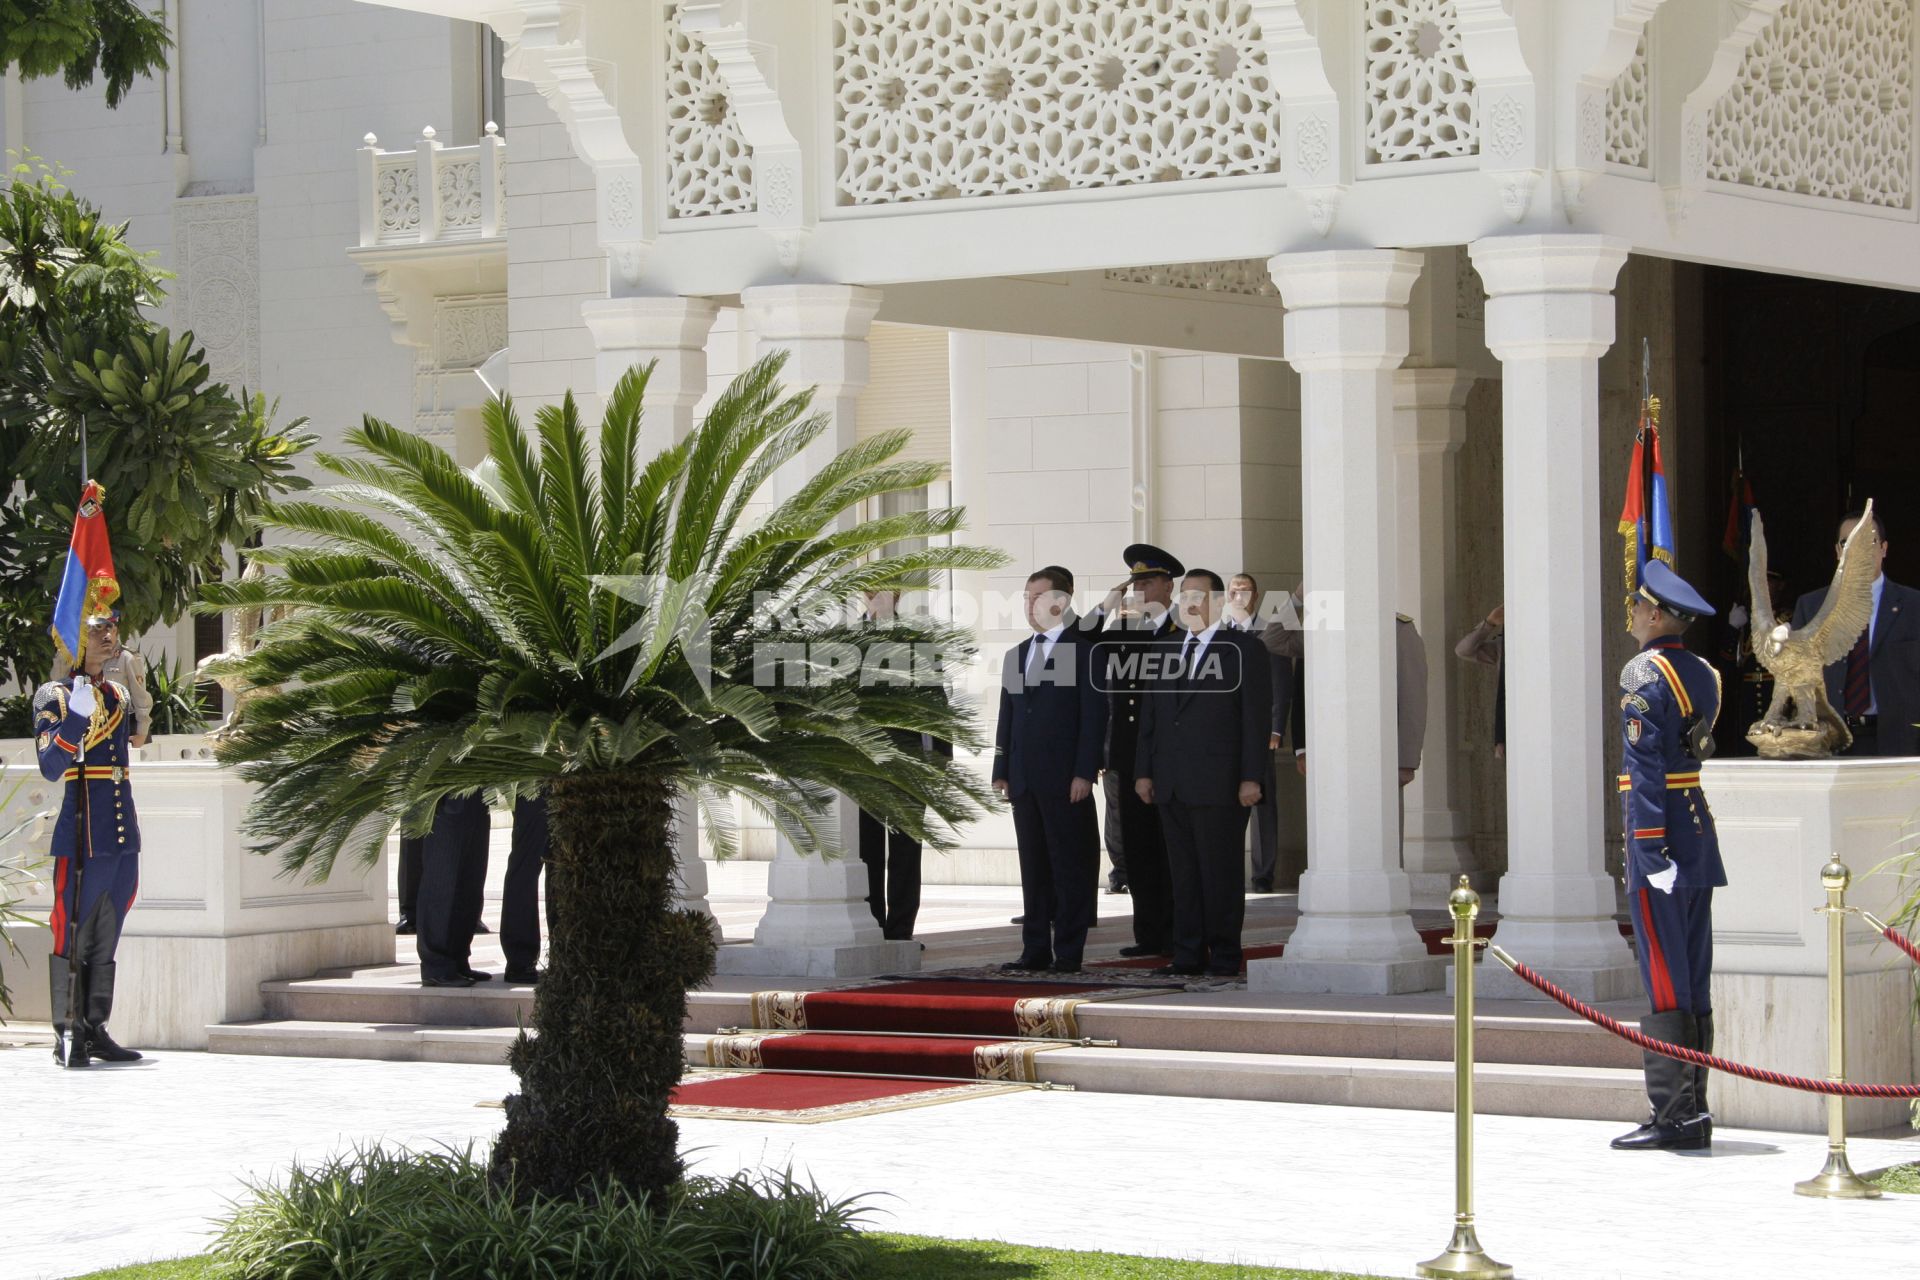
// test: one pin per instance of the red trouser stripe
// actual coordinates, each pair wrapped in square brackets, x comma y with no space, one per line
[1664,1000]
[58,923]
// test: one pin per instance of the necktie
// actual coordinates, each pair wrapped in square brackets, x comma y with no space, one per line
[1859,689]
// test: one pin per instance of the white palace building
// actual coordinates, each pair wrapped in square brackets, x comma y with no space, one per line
[1353,292]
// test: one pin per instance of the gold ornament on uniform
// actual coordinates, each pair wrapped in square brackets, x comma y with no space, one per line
[1798,660]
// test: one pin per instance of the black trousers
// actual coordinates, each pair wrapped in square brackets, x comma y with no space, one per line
[520,895]
[1112,828]
[1266,828]
[453,876]
[1148,880]
[893,876]
[1204,843]
[410,874]
[1059,870]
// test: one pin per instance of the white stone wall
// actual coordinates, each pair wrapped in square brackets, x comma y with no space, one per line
[553,259]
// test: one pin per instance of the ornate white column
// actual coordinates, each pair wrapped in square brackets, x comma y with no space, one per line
[672,334]
[1431,422]
[817,923]
[1346,332]
[1550,315]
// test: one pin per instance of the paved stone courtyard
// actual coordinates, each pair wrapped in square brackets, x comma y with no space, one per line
[166,1145]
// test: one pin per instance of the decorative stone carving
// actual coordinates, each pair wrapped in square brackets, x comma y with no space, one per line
[1419,90]
[620,203]
[216,249]
[1247,277]
[709,161]
[459,187]
[1822,105]
[1626,113]
[1506,128]
[941,98]
[469,331]
[1312,146]
[399,200]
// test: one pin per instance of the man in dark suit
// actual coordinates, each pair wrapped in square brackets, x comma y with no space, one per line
[453,879]
[1046,756]
[1877,686]
[893,857]
[1138,623]
[1243,614]
[1204,762]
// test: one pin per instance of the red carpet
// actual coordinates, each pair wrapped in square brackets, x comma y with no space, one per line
[956,1057]
[943,1005]
[812,1099]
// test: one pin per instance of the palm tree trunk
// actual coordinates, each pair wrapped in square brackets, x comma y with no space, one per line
[606,1050]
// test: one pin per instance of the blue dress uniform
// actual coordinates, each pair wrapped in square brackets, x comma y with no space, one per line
[106,857]
[1669,700]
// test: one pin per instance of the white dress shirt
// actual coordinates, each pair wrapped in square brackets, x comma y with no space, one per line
[1042,649]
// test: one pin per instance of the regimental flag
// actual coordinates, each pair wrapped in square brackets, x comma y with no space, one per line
[88,585]
[1740,508]
[1646,522]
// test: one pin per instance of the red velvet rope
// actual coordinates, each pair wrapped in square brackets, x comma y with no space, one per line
[1694,1056]
[1898,939]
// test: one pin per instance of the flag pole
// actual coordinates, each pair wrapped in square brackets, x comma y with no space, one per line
[83,830]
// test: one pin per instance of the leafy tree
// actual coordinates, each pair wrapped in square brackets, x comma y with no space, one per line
[454,631]
[187,465]
[78,39]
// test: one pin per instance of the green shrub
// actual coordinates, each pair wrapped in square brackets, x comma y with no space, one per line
[16,716]
[378,1214]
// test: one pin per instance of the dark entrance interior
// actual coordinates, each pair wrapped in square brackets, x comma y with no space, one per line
[1815,389]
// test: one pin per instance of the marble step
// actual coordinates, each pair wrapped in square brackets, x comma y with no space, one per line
[1582,1093]
[1393,1028]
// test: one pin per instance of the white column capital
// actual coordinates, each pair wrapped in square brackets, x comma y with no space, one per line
[1346,308]
[781,313]
[1432,405]
[1549,297]
[649,323]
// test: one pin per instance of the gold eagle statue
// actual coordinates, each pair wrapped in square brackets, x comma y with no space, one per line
[1798,659]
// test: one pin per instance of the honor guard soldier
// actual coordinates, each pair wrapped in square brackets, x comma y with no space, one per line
[1669,699]
[96,845]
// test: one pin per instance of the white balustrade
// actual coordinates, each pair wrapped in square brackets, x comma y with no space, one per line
[433,193]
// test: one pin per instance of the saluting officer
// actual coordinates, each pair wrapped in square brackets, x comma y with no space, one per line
[1139,623]
[1669,699]
[102,853]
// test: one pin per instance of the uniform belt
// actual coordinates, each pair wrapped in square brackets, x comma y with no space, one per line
[115,773]
[1675,781]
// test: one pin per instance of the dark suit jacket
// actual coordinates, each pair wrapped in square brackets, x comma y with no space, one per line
[1894,665]
[1202,735]
[1053,719]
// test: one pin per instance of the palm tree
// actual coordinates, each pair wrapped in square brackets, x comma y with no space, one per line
[453,631]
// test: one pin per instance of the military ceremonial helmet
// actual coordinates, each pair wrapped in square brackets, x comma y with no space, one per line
[1144,560]
[1671,592]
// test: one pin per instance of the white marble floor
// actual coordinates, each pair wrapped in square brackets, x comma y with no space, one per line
[150,1153]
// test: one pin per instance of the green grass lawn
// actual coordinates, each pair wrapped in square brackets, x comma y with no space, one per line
[925,1258]
[1901,1178]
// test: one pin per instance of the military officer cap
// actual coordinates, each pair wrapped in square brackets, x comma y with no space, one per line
[1144,560]
[103,618]
[1672,592]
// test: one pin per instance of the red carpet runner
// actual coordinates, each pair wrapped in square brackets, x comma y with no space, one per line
[836,1042]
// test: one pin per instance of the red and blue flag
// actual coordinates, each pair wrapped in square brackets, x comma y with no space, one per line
[88,585]
[1646,521]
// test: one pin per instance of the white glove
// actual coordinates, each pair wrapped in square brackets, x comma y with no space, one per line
[82,700]
[1663,880]
[1737,616]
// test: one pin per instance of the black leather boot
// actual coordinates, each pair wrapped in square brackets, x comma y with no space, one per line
[1704,1025]
[69,1042]
[1675,1123]
[99,989]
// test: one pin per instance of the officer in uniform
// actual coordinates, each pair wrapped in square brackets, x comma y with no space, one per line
[102,852]
[1669,699]
[1130,635]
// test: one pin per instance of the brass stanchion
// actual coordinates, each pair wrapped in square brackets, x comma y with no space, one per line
[1837,1181]
[1463,1257]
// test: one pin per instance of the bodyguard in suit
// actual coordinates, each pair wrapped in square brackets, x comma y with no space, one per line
[1203,762]
[1132,633]
[1046,756]
[453,878]
[1669,700]
[520,893]
[1877,686]
[1243,614]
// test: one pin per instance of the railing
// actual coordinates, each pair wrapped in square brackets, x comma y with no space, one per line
[433,193]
